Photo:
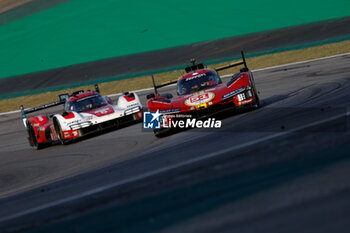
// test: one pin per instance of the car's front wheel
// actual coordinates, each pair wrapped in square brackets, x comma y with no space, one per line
[59,132]
[256,103]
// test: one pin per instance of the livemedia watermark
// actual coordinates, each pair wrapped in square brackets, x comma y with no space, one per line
[156,120]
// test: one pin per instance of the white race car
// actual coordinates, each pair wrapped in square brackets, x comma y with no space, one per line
[84,112]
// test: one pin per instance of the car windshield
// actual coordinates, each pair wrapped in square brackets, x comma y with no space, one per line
[86,103]
[197,83]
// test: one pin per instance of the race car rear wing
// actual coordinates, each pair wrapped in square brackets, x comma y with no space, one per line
[62,100]
[242,62]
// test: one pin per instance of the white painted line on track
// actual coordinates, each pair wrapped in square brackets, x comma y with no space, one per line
[301,62]
[8,113]
[224,76]
[165,169]
[141,90]
[295,63]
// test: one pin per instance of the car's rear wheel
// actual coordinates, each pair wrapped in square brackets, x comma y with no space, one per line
[32,138]
[159,133]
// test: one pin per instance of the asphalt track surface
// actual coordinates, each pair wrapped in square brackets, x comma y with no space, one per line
[151,62]
[281,168]
[27,9]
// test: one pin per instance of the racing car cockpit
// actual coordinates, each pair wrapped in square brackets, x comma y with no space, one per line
[86,103]
[197,83]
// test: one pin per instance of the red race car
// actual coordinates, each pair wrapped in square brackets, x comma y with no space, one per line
[201,93]
[84,112]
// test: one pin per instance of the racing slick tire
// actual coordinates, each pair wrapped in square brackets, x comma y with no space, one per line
[59,132]
[256,103]
[159,133]
[32,138]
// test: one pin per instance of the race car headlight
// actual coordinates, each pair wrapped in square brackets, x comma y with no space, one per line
[249,94]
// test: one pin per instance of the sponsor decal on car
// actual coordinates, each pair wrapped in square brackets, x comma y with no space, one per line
[53,133]
[228,95]
[199,99]
[196,76]
[74,122]
[175,110]
[132,105]
[70,134]
[66,134]
[246,101]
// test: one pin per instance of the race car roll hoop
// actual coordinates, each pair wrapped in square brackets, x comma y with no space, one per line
[199,66]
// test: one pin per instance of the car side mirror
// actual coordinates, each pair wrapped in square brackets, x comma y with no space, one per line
[150,96]
[63,97]
[245,69]
[109,100]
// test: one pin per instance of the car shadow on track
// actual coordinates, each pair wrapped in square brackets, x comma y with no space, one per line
[104,131]
[93,134]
